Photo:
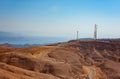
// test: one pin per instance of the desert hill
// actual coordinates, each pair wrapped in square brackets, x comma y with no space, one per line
[76,59]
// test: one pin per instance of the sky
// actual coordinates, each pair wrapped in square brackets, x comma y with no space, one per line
[61,18]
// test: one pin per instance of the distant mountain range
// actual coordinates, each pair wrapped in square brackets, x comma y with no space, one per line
[12,38]
[19,45]
[16,40]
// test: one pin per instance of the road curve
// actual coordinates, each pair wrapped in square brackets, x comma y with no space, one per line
[91,73]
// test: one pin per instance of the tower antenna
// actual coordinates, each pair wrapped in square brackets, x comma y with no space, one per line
[77,35]
[95,32]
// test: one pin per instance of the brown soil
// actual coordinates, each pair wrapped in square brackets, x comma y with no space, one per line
[71,60]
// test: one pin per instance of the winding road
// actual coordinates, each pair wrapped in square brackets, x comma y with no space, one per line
[91,73]
[42,55]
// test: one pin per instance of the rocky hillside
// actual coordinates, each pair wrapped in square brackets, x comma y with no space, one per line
[75,59]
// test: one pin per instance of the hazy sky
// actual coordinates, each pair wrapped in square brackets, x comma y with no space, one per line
[61,18]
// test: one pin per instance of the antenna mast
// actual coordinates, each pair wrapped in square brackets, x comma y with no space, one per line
[77,35]
[95,32]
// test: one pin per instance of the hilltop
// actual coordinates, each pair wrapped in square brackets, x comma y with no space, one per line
[76,59]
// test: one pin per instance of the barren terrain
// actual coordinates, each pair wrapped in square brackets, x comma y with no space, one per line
[93,59]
